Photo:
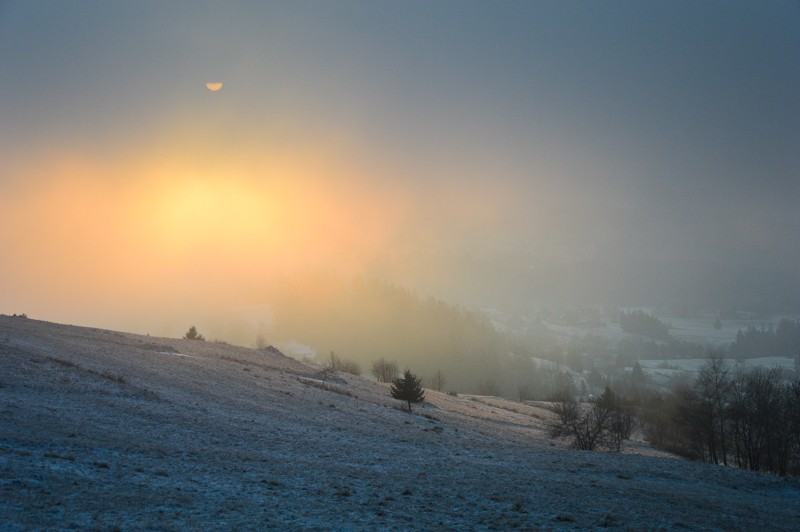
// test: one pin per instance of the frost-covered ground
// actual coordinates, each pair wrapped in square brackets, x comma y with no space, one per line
[101,429]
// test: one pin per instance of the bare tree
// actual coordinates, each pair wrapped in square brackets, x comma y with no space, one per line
[261,342]
[713,387]
[385,370]
[437,381]
[793,418]
[758,419]
[621,420]
[692,417]
[586,424]
[337,363]
[657,419]
[350,366]
[334,362]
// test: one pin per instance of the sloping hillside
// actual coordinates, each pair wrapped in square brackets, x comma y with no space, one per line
[101,429]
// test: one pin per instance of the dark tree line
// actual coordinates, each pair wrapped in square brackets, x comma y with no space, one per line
[783,340]
[643,324]
[747,418]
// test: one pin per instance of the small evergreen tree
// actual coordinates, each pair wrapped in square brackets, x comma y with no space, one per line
[192,334]
[408,388]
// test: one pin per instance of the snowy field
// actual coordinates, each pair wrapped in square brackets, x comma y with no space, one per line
[105,430]
[702,332]
[671,367]
[697,331]
[610,331]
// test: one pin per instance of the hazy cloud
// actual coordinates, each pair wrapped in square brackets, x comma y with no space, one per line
[551,152]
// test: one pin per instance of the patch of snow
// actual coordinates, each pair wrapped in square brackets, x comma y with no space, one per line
[175,353]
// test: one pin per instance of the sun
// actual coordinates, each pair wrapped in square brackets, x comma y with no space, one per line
[214,86]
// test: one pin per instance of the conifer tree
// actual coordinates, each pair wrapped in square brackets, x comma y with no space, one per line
[408,388]
[192,334]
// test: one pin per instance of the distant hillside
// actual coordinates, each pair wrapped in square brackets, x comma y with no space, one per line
[365,320]
[108,430]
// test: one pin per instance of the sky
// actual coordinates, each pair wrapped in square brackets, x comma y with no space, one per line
[507,155]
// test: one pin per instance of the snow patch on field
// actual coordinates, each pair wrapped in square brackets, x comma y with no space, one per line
[173,353]
[693,365]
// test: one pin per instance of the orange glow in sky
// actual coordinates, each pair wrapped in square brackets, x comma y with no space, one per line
[167,225]
[498,159]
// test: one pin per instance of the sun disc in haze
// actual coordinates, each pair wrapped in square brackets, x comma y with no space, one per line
[214,86]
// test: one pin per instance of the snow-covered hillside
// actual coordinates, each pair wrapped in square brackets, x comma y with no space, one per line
[101,429]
